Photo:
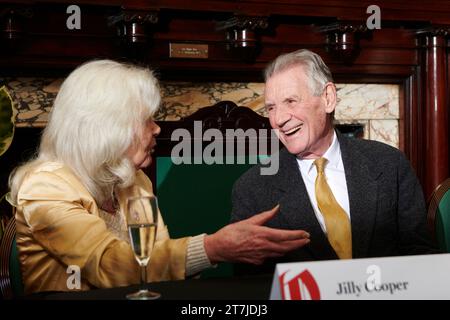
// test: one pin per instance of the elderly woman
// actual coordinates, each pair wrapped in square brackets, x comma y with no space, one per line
[70,198]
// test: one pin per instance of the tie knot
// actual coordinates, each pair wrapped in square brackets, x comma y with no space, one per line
[320,164]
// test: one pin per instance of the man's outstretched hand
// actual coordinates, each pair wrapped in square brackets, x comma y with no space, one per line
[248,241]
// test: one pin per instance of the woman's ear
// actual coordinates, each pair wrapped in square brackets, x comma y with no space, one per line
[330,97]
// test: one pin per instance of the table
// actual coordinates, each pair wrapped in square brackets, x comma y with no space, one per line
[233,288]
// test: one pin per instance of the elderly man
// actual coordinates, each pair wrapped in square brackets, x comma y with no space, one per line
[356,198]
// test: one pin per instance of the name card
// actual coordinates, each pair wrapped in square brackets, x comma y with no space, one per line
[404,278]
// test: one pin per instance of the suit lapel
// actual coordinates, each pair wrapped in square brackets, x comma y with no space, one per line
[295,207]
[362,193]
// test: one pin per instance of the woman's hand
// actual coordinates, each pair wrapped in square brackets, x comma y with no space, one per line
[249,241]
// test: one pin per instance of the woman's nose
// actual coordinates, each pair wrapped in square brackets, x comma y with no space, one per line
[156,129]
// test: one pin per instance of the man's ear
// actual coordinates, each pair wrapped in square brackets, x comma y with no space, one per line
[330,97]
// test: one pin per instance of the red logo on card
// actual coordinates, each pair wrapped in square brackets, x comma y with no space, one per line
[301,287]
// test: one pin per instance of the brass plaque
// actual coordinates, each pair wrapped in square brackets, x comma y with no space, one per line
[189,50]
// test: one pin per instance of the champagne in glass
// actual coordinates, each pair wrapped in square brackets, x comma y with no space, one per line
[142,238]
[142,220]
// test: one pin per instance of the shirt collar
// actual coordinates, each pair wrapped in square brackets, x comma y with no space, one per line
[333,155]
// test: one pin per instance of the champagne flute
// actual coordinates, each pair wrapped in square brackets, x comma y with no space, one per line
[142,220]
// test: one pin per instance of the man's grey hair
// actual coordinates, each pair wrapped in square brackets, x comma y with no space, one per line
[316,70]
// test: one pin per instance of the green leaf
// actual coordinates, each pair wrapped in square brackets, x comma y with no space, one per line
[6,120]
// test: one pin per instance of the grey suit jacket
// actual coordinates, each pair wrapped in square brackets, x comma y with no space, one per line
[387,208]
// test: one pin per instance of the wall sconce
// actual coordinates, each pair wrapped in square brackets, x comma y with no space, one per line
[132,25]
[242,35]
[343,40]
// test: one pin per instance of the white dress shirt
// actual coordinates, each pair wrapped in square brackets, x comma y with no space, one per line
[335,175]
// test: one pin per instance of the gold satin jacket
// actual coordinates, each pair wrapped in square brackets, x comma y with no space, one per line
[58,225]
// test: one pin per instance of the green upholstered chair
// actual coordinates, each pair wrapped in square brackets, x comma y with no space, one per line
[439,215]
[10,276]
[196,198]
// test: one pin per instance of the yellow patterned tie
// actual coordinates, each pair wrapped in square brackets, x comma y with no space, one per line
[336,220]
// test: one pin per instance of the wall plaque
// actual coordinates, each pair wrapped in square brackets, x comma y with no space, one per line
[188,50]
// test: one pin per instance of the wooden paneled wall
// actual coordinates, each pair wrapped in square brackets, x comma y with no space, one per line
[410,49]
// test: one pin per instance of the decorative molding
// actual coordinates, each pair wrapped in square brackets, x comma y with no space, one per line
[434,31]
[343,27]
[433,36]
[244,22]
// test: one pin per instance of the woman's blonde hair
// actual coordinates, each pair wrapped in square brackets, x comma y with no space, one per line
[99,112]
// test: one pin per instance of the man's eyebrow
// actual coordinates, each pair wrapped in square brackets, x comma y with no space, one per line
[292,97]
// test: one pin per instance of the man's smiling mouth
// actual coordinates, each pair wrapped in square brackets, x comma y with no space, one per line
[293,130]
